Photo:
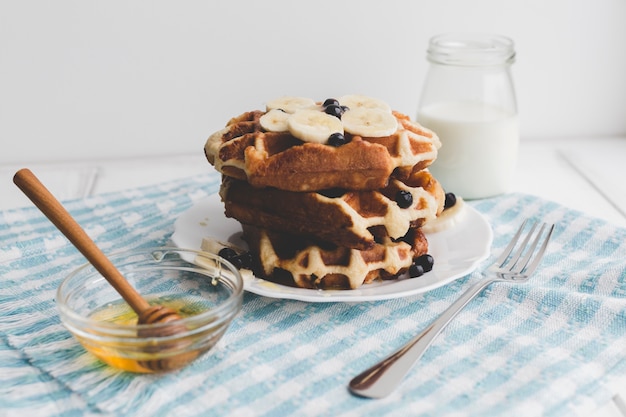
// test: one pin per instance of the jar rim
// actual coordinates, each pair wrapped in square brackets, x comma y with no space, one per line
[471,49]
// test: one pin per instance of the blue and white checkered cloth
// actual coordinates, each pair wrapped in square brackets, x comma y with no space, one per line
[550,347]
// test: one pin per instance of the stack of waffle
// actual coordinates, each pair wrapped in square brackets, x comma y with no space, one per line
[330,195]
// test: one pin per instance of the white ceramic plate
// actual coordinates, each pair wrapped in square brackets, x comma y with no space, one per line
[457,252]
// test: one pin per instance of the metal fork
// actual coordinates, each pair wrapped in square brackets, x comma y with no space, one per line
[514,265]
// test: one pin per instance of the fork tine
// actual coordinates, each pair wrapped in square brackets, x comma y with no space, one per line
[510,262]
[519,267]
[507,251]
[518,253]
[531,268]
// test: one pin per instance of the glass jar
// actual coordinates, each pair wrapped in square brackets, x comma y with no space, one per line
[468,100]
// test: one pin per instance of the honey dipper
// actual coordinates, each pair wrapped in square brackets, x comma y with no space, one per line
[147,314]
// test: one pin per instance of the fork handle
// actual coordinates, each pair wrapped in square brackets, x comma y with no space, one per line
[381,379]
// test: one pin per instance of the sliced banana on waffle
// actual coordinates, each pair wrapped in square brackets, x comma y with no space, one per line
[275,120]
[290,104]
[448,218]
[313,125]
[356,101]
[369,122]
[304,118]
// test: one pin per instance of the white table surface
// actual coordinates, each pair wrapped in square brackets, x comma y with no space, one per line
[587,174]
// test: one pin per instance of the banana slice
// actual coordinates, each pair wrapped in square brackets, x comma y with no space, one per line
[290,104]
[275,120]
[355,101]
[313,125]
[447,219]
[369,123]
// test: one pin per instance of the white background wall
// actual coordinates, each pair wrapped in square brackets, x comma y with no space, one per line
[98,79]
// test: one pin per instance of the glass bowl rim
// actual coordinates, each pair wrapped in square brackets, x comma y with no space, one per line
[222,313]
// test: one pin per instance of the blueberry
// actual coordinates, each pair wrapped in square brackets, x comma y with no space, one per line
[345,108]
[246,260]
[237,262]
[404,199]
[231,256]
[330,101]
[450,200]
[228,254]
[426,262]
[416,270]
[334,110]
[336,139]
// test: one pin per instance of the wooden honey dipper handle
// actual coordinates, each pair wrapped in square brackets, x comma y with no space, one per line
[61,218]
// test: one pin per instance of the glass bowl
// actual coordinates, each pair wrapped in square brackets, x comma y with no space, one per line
[205,290]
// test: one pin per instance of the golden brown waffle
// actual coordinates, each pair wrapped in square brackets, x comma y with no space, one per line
[244,150]
[297,261]
[329,195]
[354,219]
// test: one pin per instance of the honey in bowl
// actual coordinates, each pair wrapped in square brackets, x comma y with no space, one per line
[206,298]
[116,353]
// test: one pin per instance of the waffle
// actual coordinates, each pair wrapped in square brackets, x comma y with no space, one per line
[296,261]
[354,219]
[245,151]
[330,195]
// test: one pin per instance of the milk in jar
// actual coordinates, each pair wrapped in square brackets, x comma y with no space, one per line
[468,100]
[479,147]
